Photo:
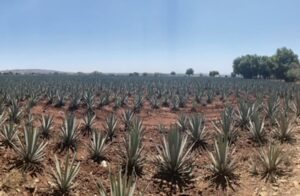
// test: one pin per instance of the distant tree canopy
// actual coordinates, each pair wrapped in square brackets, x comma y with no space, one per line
[277,66]
[189,72]
[173,73]
[213,73]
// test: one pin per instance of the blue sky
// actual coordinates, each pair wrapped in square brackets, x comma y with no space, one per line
[143,35]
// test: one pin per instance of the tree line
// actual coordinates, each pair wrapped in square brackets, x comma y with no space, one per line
[284,64]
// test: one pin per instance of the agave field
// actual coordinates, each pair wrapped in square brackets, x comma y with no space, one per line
[121,135]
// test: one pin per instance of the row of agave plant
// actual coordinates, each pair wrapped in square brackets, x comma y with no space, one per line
[175,161]
[96,92]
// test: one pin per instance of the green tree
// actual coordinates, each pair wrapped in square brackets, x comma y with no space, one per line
[213,73]
[189,72]
[283,60]
[247,66]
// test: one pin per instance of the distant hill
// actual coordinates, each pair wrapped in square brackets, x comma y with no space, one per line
[31,71]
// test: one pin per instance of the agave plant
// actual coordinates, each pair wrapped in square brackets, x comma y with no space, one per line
[74,103]
[14,112]
[245,113]
[88,123]
[64,175]
[60,100]
[127,118]
[8,135]
[155,103]
[175,103]
[182,122]
[138,104]
[270,160]
[69,133]
[97,146]
[256,128]
[284,132]
[132,159]
[120,185]
[227,130]
[111,126]
[174,160]
[222,165]
[272,108]
[31,153]
[47,126]
[196,131]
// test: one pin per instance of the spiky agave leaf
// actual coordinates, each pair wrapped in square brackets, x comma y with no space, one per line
[97,146]
[69,133]
[120,185]
[284,132]
[227,130]
[182,122]
[47,126]
[196,131]
[270,160]
[8,135]
[64,174]
[272,107]
[174,160]
[222,165]
[88,123]
[14,112]
[245,112]
[127,118]
[111,126]
[132,159]
[256,128]
[31,153]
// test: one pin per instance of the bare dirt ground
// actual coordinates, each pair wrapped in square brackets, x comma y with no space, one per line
[14,182]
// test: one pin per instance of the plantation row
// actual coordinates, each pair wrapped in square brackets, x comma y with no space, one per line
[261,106]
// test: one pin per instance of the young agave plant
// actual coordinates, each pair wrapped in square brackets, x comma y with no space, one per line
[227,130]
[69,133]
[270,160]
[132,159]
[127,118]
[31,153]
[222,165]
[111,126]
[8,135]
[175,103]
[182,122]
[47,126]
[284,132]
[74,103]
[88,123]
[256,128]
[155,103]
[245,113]
[64,175]
[196,131]
[120,185]
[272,108]
[14,112]
[174,160]
[60,100]
[97,146]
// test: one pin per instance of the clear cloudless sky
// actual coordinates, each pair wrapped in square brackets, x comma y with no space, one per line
[143,35]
